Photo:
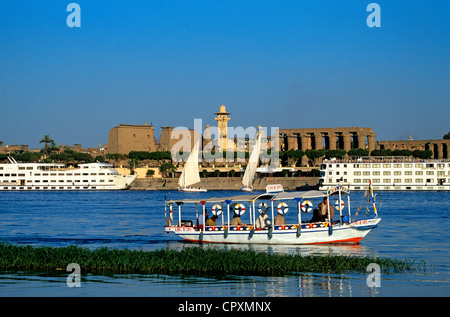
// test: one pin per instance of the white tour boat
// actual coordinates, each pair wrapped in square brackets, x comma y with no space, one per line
[54,176]
[250,170]
[386,173]
[343,228]
[190,174]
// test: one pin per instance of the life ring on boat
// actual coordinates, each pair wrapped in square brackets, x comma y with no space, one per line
[306,206]
[239,209]
[339,204]
[263,207]
[216,210]
[281,210]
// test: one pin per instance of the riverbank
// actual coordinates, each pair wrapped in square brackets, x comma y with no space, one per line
[227,183]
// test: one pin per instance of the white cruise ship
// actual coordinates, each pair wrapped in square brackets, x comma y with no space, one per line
[386,173]
[51,176]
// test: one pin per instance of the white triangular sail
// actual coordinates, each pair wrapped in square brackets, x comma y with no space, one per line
[190,174]
[253,161]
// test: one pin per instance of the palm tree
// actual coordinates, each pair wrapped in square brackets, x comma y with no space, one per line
[47,139]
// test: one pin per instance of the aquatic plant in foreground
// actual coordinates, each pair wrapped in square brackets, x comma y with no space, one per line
[189,260]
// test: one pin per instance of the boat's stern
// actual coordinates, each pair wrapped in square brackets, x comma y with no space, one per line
[124,181]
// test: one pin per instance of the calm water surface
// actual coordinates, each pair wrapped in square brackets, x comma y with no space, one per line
[414,226]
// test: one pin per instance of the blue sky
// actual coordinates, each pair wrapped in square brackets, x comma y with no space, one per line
[290,64]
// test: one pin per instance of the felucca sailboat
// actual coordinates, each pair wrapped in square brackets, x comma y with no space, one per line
[190,174]
[250,170]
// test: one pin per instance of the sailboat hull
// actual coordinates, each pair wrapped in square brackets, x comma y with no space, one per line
[192,190]
[246,189]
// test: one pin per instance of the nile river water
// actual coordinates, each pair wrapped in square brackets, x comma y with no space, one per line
[415,225]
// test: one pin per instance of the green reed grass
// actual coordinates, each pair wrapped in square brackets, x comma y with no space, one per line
[189,260]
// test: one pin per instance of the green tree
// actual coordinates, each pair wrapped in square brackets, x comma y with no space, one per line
[447,136]
[314,155]
[166,168]
[47,139]
[232,172]
[426,154]
[285,172]
[217,173]
[358,152]
[335,153]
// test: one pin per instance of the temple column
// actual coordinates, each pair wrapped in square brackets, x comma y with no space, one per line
[318,141]
[361,141]
[347,141]
[371,142]
[306,141]
[440,150]
[332,140]
[281,145]
[292,142]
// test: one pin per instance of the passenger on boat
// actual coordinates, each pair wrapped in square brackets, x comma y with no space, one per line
[236,221]
[211,221]
[262,221]
[200,219]
[279,220]
[323,210]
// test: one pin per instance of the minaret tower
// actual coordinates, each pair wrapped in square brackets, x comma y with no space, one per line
[222,125]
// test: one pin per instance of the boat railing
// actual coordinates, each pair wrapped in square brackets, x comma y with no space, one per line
[384,159]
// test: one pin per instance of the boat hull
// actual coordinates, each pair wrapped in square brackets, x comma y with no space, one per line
[192,190]
[315,233]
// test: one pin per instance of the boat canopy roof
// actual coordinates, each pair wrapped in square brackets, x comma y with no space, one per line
[268,196]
